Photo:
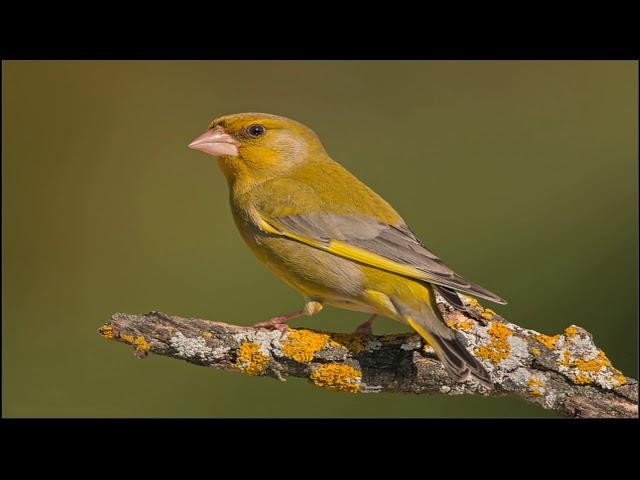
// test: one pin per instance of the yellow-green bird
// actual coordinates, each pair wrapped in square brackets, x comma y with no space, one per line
[332,238]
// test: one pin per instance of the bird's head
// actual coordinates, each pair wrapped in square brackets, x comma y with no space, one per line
[257,146]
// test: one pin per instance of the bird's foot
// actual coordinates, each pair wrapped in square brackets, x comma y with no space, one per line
[280,322]
[366,327]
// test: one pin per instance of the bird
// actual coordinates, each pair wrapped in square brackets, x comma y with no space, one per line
[333,239]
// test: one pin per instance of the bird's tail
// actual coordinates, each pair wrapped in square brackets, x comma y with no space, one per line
[457,361]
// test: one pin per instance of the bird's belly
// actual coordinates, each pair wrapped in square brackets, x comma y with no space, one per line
[314,273]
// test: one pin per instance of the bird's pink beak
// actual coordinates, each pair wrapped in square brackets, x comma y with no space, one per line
[216,142]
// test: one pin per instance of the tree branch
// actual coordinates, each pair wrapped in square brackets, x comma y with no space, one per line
[566,373]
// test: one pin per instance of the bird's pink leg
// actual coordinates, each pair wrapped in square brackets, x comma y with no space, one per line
[365,328]
[280,322]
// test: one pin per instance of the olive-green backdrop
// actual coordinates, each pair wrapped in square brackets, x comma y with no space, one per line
[520,175]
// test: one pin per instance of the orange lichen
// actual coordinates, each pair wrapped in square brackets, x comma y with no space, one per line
[488,314]
[107,332]
[582,378]
[251,360]
[619,380]
[535,351]
[588,369]
[350,341]
[546,340]
[342,378]
[498,349]
[534,386]
[605,361]
[473,302]
[594,365]
[465,325]
[462,325]
[566,359]
[141,345]
[302,345]
[571,331]
[207,334]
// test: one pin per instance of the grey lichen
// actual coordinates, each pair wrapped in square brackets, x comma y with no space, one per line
[190,347]
[268,340]
[372,345]
[519,355]
[413,343]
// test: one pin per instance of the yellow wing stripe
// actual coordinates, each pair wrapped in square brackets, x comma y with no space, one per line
[373,259]
[349,251]
[359,255]
[264,225]
[352,253]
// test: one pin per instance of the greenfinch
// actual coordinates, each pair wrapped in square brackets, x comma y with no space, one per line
[332,238]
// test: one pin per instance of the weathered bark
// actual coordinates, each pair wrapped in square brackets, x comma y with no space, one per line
[566,373]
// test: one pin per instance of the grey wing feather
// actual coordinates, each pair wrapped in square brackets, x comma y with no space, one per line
[394,242]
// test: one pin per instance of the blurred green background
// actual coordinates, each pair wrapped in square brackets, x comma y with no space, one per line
[522,176]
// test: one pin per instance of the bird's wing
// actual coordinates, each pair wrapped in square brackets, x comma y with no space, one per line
[372,242]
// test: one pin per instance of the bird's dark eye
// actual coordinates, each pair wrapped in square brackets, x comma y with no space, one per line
[256,130]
